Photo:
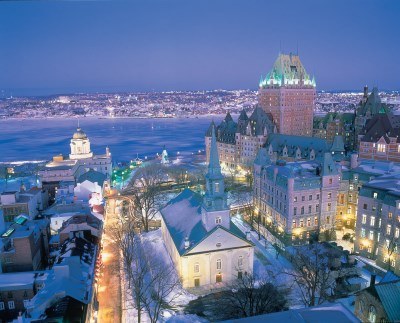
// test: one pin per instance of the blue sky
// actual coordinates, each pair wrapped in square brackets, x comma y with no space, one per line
[68,46]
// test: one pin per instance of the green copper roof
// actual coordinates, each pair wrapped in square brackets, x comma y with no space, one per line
[287,71]
[214,168]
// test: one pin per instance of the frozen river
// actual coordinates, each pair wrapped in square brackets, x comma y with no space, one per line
[26,140]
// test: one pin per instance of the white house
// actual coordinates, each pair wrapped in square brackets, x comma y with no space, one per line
[204,244]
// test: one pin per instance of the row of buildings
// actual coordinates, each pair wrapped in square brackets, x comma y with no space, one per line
[51,238]
[313,178]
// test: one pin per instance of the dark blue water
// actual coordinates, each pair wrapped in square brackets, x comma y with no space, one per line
[22,140]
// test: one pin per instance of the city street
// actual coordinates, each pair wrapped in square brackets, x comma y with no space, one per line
[109,293]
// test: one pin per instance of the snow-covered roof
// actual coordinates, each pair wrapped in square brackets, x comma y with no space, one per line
[16,281]
[182,217]
[327,313]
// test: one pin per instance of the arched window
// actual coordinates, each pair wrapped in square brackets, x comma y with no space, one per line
[219,263]
[372,314]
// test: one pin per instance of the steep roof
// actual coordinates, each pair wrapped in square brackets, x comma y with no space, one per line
[182,217]
[305,144]
[287,70]
[389,294]
[382,125]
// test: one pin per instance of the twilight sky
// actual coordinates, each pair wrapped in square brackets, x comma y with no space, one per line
[68,46]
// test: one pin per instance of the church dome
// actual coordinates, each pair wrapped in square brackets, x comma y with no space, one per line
[79,134]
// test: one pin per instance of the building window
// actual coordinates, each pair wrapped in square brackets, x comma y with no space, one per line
[216,187]
[1,306]
[329,195]
[362,233]
[301,223]
[218,220]
[364,219]
[26,303]
[371,235]
[329,207]
[302,210]
[294,224]
[11,305]
[315,220]
[372,222]
[240,261]
[381,148]
[330,181]
[317,208]
[375,195]
[240,275]
[310,197]
[309,222]
[390,215]
[365,206]
[317,196]
[388,229]
[295,211]
[196,267]
[218,263]
[295,199]
[196,282]
[303,198]
[396,233]
[372,314]
[309,209]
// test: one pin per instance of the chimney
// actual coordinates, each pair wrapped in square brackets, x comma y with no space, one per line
[372,282]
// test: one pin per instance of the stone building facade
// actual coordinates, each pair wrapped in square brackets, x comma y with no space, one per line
[296,199]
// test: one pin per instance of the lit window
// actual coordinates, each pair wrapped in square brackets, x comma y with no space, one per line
[375,195]
[218,263]
[11,305]
[294,224]
[329,195]
[371,235]
[372,314]
[381,148]
[372,222]
[364,219]
[397,233]
[362,233]
[390,215]
[388,229]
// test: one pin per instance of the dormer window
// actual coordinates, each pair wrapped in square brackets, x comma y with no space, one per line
[216,187]
[218,220]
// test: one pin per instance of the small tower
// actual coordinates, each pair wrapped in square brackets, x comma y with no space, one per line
[215,209]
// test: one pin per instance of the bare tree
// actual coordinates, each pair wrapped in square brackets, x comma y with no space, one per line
[160,287]
[312,273]
[246,296]
[143,191]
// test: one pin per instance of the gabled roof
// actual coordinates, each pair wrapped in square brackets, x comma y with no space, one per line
[382,125]
[338,144]
[182,217]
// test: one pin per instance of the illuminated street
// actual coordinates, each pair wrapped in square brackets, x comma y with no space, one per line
[109,294]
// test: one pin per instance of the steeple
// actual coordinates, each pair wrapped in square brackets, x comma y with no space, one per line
[214,168]
[215,197]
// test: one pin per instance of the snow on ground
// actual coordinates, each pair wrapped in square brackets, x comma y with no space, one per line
[267,263]
[347,245]
[153,243]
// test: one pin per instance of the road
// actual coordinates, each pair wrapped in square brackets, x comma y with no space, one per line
[109,294]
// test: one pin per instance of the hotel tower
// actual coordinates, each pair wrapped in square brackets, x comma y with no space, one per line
[288,93]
